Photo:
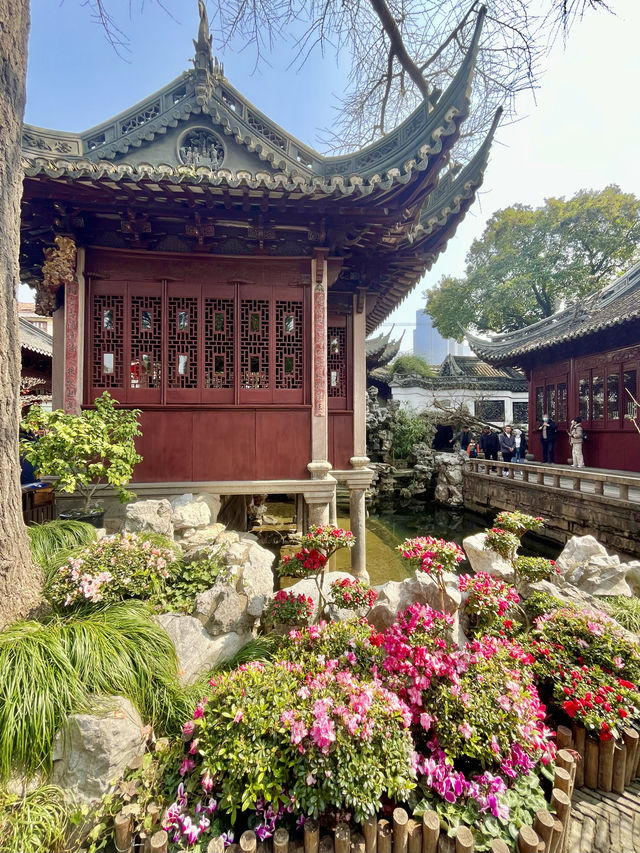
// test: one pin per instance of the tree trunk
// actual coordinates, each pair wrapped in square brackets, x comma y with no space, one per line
[20,580]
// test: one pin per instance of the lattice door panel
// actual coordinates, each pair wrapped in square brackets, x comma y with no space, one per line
[219,343]
[146,342]
[337,361]
[107,357]
[254,344]
[182,362]
[289,345]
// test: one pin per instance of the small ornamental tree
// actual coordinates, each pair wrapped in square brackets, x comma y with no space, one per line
[87,450]
[433,556]
[504,538]
[311,561]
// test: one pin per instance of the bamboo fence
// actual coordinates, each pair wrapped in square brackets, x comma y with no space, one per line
[607,765]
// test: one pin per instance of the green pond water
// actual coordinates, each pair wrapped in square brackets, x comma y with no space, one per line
[386,531]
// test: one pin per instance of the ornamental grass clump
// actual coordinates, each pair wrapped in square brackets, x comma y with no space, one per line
[312,559]
[110,570]
[486,601]
[38,822]
[307,741]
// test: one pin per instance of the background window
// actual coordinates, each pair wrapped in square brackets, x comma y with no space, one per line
[613,401]
[490,410]
[521,413]
[584,409]
[539,403]
[562,401]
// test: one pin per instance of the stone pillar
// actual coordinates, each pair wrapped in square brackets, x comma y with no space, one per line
[74,302]
[358,514]
[333,511]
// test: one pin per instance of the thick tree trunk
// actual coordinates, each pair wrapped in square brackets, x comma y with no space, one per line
[19,577]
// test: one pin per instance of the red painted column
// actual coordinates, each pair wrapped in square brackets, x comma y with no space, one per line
[74,339]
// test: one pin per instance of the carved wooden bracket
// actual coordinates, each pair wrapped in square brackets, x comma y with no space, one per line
[58,269]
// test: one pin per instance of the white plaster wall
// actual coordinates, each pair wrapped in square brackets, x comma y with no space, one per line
[418,398]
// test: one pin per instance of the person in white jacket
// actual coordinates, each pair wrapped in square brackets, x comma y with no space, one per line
[575,438]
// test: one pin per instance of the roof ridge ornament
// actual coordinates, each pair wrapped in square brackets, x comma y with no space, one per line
[206,67]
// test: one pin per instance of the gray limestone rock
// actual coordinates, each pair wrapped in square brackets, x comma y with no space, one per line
[190,513]
[223,610]
[93,750]
[578,550]
[191,538]
[197,651]
[633,576]
[153,516]
[585,563]
[482,559]
[256,578]
[307,586]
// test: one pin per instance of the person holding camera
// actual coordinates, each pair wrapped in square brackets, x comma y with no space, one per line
[576,439]
[547,430]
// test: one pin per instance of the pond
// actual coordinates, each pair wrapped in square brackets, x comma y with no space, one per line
[386,531]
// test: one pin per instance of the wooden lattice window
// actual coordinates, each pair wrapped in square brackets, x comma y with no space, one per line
[182,359]
[146,342]
[289,345]
[254,344]
[219,343]
[337,361]
[108,341]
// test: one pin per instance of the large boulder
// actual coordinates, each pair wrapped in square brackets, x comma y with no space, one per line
[191,513]
[585,563]
[307,586]
[448,468]
[152,516]
[483,559]
[92,751]
[197,651]
[633,576]
[577,551]
[421,588]
[222,609]
[203,537]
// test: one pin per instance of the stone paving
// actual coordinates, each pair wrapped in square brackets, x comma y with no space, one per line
[605,823]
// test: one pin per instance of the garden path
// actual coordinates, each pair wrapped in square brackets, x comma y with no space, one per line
[605,823]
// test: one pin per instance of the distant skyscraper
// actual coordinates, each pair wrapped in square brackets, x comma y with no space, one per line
[429,343]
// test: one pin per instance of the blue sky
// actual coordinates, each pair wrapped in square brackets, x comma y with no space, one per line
[582,131]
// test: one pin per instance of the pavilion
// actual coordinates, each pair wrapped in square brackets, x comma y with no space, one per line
[204,266]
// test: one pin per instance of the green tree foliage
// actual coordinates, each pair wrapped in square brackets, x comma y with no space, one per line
[411,364]
[529,260]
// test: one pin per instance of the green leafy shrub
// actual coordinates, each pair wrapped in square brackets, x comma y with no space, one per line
[357,642]
[411,364]
[35,823]
[83,451]
[287,608]
[189,578]
[503,542]
[533,569]
[406,430]
[48,671]
[110,570]
[518,522]
[539,603]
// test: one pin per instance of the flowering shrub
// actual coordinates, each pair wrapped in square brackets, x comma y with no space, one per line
[586,636]
[501,541]
[114,568]
[352,594]
[488,599]
[312,559]
[603,704]
[287,608]
[532,569]
[432,555]
[356,644]
[304,741]
[518,522]
[318,546]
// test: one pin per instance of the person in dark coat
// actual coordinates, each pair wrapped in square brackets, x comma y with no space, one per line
[464,437]
[507,446]
[489,444]
[547,430]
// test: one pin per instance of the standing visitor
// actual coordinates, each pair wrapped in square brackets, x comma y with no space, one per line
[547,430]
[521,445]
[472,450]
[576,437]
[507,447]
[489,445]
[464,437]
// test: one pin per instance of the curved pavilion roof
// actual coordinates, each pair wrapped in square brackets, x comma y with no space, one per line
[615,307]
[387,199]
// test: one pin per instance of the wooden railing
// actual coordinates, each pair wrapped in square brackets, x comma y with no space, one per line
[621,487]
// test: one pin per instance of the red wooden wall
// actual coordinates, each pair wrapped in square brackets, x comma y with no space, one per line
[240,410]
[595,390]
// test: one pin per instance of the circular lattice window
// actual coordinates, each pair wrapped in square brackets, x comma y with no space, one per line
[200,147]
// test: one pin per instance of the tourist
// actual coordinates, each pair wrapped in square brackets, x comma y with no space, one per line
[489,444]
[472,450]
[547,430]
[507,447]
[463,437]
[521,446]
[575,439]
